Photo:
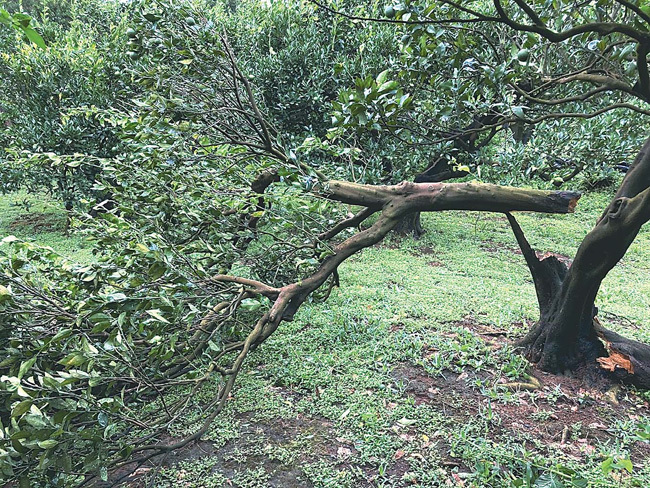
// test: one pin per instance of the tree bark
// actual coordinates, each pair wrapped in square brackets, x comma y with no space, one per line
[437,172]
[435,197]
[410,225]
[568,334]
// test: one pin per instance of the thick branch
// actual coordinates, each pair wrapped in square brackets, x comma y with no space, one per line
[254,286]
[400,200]
[605,81]
[602,28]
[353,221]
[547,273]
[637,177]
[531,13]
[449,174]
[643,88]
[431,197]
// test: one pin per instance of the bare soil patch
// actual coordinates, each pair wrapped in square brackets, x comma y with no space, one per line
[562,414]
[260,444]
[38,222]
[497,247]
[569,414]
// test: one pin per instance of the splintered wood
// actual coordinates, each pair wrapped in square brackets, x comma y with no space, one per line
[616,360]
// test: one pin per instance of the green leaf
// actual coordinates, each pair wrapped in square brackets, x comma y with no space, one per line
[155,313]
[381,77]
[250,304]
[48,444]
[102,419]
[152,17]
[116,297]
[157,270]
[34,36]
[74,359]
[625,464]
[388,86]
[548,480]
[21,408]
[579,482]
[5,17]
[519,112]
[22,20]
[606,465]
[5,293]
[25,365]
[62,334]
[404,100]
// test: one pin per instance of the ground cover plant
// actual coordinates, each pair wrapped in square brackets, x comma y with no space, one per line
[29,216]
[214,218]
[381,386]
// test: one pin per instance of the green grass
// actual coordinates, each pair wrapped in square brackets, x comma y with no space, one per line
[396,385]
[42,219]
[402,377]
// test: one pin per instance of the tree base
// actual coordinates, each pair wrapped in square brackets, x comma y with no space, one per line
[568,337]
[553,353]
[605,356]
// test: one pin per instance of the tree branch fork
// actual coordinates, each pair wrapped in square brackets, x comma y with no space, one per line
[562,292]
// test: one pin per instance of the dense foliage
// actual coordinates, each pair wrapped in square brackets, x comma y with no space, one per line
[192,137]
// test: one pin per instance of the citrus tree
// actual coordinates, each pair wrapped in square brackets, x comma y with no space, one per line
[223,229]
[568,63]
[48,99]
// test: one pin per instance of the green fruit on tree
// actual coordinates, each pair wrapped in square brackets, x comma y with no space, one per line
[130,32]
[523,55]
[190,21]
[406,39]
[389,12]
[133,55]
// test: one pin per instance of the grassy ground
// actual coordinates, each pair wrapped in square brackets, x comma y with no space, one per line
[406,375]
[38,217]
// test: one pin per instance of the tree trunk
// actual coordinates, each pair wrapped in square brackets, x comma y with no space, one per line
[568,334]
[410,226]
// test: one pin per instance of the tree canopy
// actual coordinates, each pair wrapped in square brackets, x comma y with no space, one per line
[224,159]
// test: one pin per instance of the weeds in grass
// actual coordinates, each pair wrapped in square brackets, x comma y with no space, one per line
[402,384]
